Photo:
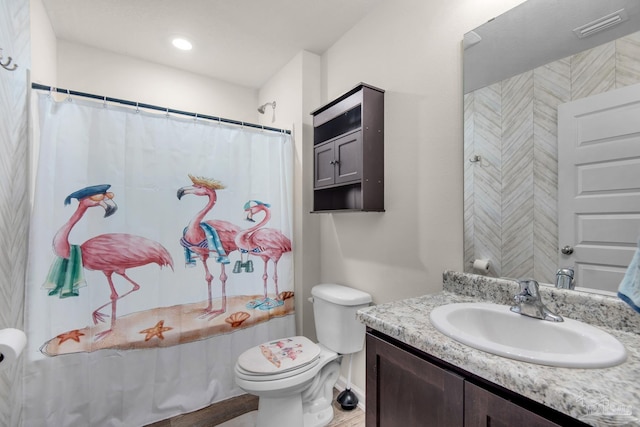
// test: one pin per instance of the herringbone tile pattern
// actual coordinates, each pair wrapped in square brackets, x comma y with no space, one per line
[550,89]
[14,211]
[627,60]
[487,197]
[593,71]
[469,178]
[517,175]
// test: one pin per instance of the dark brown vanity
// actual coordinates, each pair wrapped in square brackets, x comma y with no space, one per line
[407,387]
[417,376]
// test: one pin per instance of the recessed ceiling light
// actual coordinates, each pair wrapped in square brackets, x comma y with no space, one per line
[182,44]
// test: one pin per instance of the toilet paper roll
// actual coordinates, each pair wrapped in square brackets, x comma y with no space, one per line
[12,342]
[481,265]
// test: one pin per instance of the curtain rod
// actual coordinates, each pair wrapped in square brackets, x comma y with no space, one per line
[155,107]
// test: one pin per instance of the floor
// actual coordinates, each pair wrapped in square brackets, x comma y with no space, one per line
[341,418]
[241,412]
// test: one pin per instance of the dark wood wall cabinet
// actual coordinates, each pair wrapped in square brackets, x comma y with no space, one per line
[407,387]
[348,139]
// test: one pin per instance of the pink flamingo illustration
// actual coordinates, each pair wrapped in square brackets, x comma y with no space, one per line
[200,238]
[109,253]
[267,243]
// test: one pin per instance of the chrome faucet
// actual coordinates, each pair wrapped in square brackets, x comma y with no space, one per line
[564,279]
[529,303]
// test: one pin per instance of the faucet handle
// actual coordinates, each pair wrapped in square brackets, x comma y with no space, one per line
[529,287]
[529,302]
[564,278]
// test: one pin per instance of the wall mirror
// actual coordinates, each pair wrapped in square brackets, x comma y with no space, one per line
[519,70]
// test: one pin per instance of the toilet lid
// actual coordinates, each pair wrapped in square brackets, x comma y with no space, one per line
[279,356]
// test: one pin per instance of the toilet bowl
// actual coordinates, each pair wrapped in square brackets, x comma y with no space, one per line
[281,392]
[294,377]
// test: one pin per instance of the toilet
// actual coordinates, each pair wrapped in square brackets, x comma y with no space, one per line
[294,377]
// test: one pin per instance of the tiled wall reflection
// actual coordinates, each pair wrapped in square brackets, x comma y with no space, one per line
[510,195]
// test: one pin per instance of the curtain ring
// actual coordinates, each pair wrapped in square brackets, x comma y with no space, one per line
[51,91]
[195,118]
[137,108]
[104,105]
[167,115]
[69,96]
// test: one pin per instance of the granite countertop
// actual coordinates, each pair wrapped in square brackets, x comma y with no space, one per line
[598,397]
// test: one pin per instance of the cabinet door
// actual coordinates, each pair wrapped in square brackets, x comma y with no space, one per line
[324,164]
[484,409]
[404,390]
[348,157]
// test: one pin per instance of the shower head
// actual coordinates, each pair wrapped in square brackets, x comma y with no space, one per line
[263,106]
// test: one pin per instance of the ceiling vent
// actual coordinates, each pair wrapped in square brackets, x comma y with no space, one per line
[600,24]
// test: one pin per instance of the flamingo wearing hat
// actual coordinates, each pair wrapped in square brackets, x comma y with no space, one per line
[202,238]
[267,243]
[109,253]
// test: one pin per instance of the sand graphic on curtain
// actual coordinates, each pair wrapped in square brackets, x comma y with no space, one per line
[115,254]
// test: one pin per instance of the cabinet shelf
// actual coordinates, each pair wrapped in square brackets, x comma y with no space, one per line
[348,140]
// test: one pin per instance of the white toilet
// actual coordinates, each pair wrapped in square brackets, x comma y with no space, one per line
[294,377]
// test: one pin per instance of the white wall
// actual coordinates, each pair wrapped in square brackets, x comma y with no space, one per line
[412,49]
[296,90]
[44,46]
[99,72]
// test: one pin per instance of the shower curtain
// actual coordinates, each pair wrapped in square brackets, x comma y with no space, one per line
[159,250]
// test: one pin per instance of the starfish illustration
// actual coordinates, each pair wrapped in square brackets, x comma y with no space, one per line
[71,335]
[156,331]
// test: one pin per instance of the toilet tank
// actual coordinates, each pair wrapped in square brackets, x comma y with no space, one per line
[334,311]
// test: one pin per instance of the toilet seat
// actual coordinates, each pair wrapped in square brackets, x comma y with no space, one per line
[278,359]
[251,376]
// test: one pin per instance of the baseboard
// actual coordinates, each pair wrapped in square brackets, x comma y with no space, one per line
[341,384]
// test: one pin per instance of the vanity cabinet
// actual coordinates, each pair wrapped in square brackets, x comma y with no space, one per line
[406,387]
[348,138]
[482,408]
[404,390]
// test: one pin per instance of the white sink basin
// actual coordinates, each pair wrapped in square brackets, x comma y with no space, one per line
[495,329]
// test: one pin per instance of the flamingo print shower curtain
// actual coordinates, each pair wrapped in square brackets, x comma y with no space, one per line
[160,249]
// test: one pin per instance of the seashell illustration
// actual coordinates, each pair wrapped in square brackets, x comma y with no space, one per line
[285,295]
[237,318]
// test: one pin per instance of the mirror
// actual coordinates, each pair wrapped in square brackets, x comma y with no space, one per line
[518,68]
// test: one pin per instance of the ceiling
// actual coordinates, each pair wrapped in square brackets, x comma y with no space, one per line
[244,42]
[538,32]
